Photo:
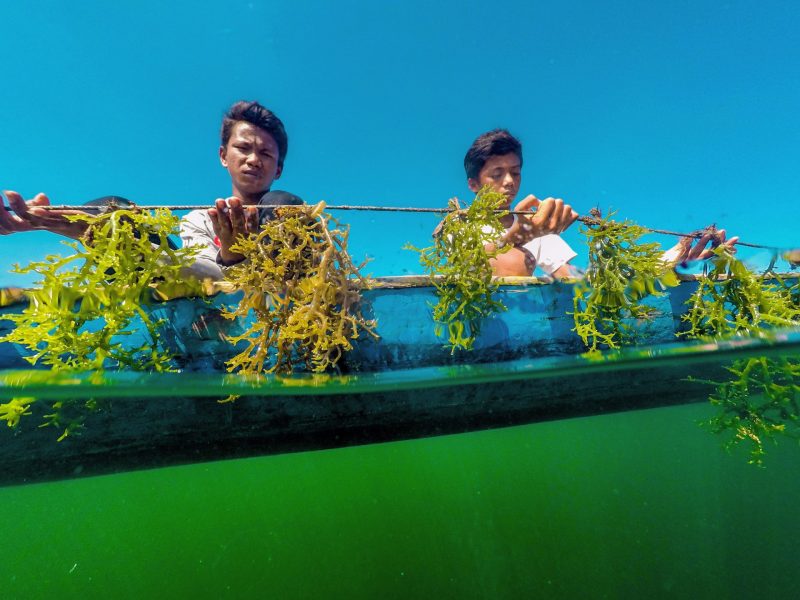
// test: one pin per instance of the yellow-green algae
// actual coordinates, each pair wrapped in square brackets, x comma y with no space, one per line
[304,291]
[459,266]
[87,302]
[621,273]
[761,400]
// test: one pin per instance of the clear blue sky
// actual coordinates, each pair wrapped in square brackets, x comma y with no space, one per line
[676,114]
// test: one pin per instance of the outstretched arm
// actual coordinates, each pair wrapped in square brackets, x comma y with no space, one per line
[29,215]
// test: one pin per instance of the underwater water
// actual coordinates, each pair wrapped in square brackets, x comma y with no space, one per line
[634,504]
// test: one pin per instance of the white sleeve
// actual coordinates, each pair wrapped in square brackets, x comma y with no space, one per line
[196,232]
[550,252]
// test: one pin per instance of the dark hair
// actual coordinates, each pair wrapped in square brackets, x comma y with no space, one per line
[276,198]
[496,142]
[120,202]
[262,117]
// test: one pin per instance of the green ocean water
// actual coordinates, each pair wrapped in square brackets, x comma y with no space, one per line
[631,505]
[640,504]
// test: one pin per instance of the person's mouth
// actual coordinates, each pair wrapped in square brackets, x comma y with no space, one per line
[252,174]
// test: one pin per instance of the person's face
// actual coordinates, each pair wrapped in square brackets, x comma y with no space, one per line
[251,157]
[503,174]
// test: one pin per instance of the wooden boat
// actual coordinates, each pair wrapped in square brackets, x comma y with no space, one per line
[526,366]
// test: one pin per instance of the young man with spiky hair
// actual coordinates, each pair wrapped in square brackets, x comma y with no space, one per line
[253,149]
[495,160]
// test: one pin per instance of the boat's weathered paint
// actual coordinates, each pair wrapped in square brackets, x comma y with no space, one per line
[538,323]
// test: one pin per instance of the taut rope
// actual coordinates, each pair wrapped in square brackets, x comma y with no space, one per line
[587,220]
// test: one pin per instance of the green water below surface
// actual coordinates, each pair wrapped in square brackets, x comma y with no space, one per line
[631,505]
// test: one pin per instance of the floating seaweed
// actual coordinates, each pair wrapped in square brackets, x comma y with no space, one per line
[460,269]
[303,290]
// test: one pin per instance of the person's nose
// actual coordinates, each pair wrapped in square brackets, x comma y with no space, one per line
[508,180]
[253,159]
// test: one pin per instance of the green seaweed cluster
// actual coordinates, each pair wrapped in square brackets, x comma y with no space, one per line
[622,272]
[303,290]
[730,299]
[760,401]
[459,266]
[88,302]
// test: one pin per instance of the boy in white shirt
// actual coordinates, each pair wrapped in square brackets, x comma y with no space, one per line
[495,160]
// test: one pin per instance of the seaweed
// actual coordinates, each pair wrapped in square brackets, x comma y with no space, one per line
[459,266]
[730,300]
[760,401]
[86,303]
[303,289]
[621,273]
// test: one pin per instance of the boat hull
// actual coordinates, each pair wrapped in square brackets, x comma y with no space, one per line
[526,367]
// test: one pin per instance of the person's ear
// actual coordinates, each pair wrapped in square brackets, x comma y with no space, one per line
[223,153]
[474,185]
[278,172]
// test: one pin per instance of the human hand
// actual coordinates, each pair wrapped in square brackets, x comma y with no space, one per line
[689,248]
[552,216]
[231,219]
[29,215]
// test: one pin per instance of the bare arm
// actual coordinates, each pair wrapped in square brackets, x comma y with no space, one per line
[30,215]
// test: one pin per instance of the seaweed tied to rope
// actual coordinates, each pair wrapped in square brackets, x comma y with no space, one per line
[88,305]
[760,400]
[460,269]
[622,272]
[303,290]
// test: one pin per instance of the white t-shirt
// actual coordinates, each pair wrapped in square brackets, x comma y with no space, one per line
[549,252]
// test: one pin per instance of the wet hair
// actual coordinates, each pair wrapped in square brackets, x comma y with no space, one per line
[496,142]
[255,114]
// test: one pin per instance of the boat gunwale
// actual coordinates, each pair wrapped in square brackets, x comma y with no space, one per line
[10,296]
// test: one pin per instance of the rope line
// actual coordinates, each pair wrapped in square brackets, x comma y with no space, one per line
[407,209]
